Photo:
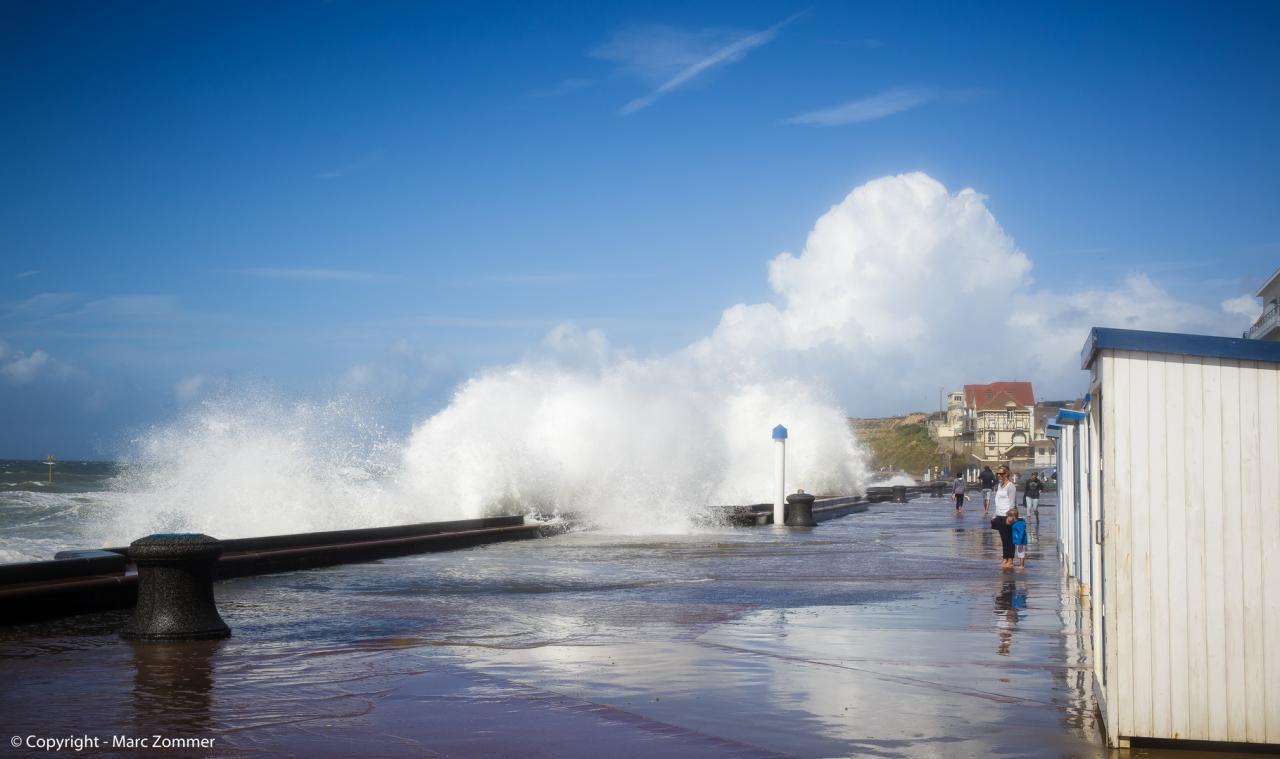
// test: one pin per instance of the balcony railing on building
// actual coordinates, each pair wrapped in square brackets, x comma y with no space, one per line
[1269,320]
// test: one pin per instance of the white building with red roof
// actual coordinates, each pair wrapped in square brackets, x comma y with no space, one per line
[1000,417]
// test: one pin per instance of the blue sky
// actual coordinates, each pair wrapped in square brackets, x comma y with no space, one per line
[329,197]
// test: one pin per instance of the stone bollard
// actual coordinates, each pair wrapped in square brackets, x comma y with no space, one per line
[800,510]
[175,588]
[899,493]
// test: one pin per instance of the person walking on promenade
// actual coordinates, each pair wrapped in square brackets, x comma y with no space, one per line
[957,488]
[1031,496]
[1004,497]
[988,482]
[1018,531]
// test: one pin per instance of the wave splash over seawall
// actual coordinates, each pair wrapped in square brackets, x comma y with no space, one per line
[667,438]
[601,433]
[625,445]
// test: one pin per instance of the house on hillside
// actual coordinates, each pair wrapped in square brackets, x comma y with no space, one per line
[950,423]
[999,415]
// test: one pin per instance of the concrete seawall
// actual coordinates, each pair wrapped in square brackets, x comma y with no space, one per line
[80,582]
[85,581]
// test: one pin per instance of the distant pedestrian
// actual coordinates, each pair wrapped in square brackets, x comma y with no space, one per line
[1031,496]
[1018,531]
[988,482]
[957,488]
[1004,499]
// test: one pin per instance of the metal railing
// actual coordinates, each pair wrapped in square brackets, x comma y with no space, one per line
[1268,321]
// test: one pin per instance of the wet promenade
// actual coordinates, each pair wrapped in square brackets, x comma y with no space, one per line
[887,633]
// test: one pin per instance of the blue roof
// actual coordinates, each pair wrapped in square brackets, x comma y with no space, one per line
[779,433]
[1069,416]
[1177,343]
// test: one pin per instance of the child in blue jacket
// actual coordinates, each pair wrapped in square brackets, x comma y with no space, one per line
[1019,537]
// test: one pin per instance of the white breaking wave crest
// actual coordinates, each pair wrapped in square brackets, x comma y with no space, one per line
[240,467]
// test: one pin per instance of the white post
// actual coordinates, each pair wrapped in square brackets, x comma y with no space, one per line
[780,467]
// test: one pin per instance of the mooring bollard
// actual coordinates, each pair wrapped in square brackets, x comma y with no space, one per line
[899,493]
[175,588]
[800,510]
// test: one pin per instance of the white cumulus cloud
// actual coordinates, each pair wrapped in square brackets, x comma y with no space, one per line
[1243,305]
[21,368]
[904,287]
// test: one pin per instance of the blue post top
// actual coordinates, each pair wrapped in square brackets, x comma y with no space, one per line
[779,433]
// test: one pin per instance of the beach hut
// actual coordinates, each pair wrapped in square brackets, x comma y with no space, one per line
[1183,460]
[1076,518]
[1067,518]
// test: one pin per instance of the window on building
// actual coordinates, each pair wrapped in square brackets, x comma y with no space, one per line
[991,437]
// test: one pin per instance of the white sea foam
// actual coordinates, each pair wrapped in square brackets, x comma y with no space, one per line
[236,467]
[38,524]
[895,479]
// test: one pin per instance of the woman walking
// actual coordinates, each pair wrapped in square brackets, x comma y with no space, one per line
[1004,498]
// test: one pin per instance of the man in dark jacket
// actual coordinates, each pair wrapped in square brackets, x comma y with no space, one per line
[1031,496]
[988,478]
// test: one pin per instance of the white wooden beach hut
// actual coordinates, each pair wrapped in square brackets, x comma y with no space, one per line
[1076,518]
[1185,467]
[1068,519]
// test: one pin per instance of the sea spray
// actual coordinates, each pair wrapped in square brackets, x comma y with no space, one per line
[254,465]
[622,444]
[636,446]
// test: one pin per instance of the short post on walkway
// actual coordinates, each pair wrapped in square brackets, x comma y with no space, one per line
[175,588]
[800,510]
[780,469]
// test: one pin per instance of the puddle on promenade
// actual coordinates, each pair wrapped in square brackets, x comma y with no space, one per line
[888,633]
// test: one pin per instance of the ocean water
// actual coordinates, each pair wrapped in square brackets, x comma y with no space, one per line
[41,515]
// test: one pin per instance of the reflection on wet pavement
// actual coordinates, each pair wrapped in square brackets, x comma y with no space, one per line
[888,633]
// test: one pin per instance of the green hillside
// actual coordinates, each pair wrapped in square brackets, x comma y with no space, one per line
[899,442]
